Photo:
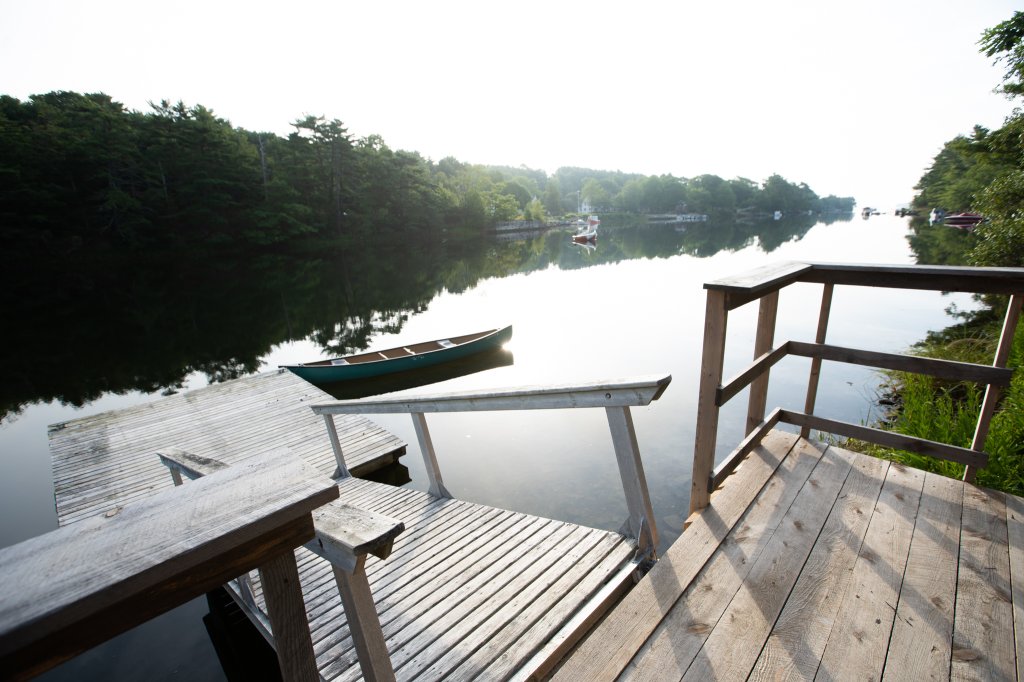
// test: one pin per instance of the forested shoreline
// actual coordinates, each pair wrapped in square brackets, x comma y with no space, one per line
[981,172]
[82,172]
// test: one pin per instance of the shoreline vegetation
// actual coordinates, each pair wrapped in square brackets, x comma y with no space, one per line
[984,173]
[80,173]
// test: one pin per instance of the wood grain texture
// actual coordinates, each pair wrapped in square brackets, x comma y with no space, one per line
[983,640]
[80,585]
[108,460]
[794,648]
[923,630]
[716,320]
[733,645]
[1015,536]
[671,649]
[858,641]
[613,643]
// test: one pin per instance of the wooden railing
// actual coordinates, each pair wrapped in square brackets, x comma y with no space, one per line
[344,536]
[615,396]
[68,590]
[764,285]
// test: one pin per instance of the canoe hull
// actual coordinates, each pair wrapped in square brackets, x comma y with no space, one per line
[329,374]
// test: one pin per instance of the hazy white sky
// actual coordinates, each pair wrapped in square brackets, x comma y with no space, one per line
[853,98]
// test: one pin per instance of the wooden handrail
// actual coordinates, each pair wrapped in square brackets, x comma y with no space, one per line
[616,396]
[77,586]
[344,536]
[609,393]
[764,284]
[749,286]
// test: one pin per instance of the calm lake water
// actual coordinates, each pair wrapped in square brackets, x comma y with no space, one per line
[632,306]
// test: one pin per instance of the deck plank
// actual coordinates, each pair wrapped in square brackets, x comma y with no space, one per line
[106,460]
[923,630]
[983,643]
[1015,536]
[611,646]
[793,650]
[857,644]
[732,647]
[681,634]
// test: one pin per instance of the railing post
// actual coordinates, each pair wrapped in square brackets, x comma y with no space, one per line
[638,499]
[992,392]
[419,421]
[715,319]
[287,614]
[363,622]
[819,337]
[339,456]
[765,338]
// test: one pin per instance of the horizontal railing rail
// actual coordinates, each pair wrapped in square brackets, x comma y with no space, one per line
[616,396]
[764,285]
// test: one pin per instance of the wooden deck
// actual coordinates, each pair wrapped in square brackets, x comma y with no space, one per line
[108,459]
[816,562]
[468,590]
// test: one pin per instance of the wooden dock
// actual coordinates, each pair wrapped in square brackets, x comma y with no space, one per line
[109,459]
[467,590]
[817,562]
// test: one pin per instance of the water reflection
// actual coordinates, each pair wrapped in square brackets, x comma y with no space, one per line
[400,381]
[78,328]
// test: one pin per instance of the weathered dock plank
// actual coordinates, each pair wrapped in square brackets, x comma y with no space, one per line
[892,574]
[106,460]
[468,590]
[466,587]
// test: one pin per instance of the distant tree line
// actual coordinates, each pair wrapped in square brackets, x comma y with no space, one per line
[81,171]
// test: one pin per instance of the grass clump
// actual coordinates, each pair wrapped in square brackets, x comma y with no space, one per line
[947,411]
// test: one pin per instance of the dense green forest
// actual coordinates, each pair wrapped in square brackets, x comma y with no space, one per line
[79,171]
[982,172]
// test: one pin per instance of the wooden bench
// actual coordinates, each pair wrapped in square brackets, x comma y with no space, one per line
[344,536]
[75,587]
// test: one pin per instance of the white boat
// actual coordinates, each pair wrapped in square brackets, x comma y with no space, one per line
[586,231]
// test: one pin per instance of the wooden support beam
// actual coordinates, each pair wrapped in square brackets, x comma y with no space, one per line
[765,337]
[713,359]
[728,391]
[887,439]
[641,522]
[733,459]
[332,432]
[819,337]
[988,406]
[943,369]
[419,422]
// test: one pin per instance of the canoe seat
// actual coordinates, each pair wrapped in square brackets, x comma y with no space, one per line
[339,361]
[446,343]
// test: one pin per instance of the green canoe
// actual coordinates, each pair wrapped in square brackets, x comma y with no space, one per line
[400,359]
